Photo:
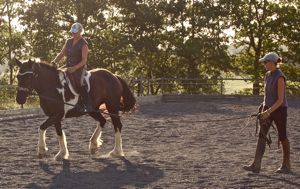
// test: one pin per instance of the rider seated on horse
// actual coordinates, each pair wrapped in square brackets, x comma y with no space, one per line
[76,51]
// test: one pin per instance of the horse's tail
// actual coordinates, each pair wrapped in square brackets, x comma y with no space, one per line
[128,101]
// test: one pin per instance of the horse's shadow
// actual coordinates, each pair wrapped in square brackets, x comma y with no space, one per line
[112,175]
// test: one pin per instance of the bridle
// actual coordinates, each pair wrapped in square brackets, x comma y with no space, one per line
[33,75]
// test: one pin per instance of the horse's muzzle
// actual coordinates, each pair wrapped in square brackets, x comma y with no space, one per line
[21,97]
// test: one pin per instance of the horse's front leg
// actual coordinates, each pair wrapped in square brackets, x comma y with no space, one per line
[42,147]
[63,152]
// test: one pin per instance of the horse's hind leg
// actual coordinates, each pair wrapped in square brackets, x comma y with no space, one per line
[63,152]
[95,140]
[118,150]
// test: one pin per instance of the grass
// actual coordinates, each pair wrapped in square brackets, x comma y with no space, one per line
[10,103]
[236,86]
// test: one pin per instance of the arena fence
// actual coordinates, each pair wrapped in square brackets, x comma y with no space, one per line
[220,86]
[164,86]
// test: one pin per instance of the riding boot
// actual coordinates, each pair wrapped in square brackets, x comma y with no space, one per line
[260,150]
[86,100]
[285,166]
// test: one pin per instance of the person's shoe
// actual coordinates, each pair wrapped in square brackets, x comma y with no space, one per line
[252,168]
[283,169]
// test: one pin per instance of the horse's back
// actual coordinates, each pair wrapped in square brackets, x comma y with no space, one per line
[105,82]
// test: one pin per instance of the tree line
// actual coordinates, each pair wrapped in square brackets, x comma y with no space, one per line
[153,39]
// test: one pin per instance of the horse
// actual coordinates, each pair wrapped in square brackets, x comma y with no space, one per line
[58,100]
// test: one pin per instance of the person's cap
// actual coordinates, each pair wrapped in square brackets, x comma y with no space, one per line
[76,27]
[271,56]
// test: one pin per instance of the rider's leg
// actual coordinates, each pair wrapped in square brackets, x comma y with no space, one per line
[88,106]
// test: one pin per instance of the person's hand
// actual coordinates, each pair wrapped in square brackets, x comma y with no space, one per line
[71,69]
[54,64]
[265,114]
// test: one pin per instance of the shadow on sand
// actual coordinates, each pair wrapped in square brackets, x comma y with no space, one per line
[289,179]
[112,175]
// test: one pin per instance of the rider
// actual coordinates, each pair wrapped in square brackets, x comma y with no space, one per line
[274,108]
[76,51]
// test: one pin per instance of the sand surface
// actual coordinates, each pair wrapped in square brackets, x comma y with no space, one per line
[166,146]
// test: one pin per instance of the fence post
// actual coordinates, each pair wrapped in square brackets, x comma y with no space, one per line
[222,86]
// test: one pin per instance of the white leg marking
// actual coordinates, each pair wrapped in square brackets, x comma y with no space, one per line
[95,140]
[118,150]
[63,149]
[42,148]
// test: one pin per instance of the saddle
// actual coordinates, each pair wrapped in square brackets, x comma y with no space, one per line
[67,82]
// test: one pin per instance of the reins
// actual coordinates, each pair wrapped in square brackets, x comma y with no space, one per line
[227,119]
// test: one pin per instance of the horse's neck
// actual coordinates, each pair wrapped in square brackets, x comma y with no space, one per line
[46,80]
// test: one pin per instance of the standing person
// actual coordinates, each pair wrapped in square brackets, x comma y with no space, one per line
[273,108]
[76,51]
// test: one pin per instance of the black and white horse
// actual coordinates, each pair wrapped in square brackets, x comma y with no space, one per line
[58,98]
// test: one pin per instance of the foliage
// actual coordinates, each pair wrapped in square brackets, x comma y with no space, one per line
[151,40]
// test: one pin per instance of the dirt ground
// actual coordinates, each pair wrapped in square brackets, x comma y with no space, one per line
[166,146]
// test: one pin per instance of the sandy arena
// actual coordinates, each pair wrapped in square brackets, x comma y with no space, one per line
[165,145]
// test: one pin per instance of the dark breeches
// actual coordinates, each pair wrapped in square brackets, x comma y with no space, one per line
[279,116]
[75,78]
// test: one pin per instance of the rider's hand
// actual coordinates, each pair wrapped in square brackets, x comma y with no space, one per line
[54,64]
[265,114]
[71,69]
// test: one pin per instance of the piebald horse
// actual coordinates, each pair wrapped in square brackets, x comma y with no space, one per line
[58,99]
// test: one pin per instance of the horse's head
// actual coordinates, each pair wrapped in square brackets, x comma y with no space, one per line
[26,77]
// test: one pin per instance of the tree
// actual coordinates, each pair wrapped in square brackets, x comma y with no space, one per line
[11,41]
[260,28]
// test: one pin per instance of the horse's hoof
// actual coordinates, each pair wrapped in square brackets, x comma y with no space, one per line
[41,156]
[94,147]
[116,154]
[59,157]
[42,152]
[93,151]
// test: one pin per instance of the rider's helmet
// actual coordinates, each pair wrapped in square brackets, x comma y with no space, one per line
[76,27]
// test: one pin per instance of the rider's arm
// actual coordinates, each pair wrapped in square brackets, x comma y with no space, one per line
[60,55]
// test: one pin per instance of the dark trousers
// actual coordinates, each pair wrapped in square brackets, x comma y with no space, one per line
[76,79]
[279,116]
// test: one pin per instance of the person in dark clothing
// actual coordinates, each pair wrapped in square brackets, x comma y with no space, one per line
[76,51]
[273,108]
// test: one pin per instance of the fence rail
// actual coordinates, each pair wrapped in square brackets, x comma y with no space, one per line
[143,87]
[220,86]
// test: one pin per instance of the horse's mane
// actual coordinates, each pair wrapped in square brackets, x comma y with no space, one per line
[47,66]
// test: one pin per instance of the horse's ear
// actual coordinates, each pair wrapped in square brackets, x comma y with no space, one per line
[18,62]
